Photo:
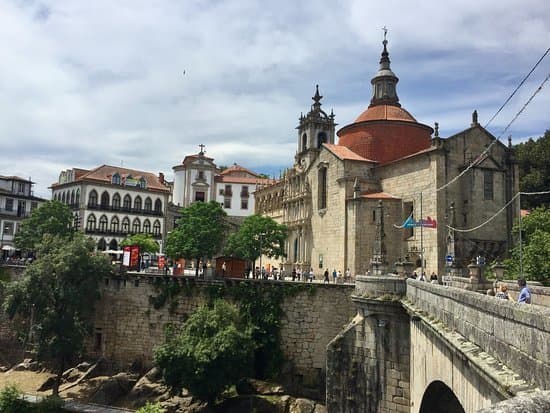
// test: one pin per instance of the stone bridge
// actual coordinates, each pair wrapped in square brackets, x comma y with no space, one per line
[426,348]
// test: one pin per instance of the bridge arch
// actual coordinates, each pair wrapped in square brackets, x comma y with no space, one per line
[439,398]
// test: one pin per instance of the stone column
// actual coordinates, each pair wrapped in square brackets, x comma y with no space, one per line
[378,262]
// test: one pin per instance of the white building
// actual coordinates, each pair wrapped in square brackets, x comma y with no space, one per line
[199,179]
[110,203]
[16,203]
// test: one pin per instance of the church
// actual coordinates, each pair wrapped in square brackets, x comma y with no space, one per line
[391,189]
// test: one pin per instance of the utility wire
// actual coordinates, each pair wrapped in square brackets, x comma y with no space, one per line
[517,88]
[499,211]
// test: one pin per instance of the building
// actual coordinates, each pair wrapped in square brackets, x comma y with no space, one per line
[16,203]
[111,203]
[388,189]
[198,178]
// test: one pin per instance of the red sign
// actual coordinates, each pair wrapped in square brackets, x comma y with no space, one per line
[161,262]
[130,258]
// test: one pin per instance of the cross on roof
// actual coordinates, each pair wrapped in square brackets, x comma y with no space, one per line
[202,148]
[385,29]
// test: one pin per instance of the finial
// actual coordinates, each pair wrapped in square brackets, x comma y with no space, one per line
[510,141]
[202,151]
[385,29]
[332,113]
[317,96]
[436,130]
[474,118]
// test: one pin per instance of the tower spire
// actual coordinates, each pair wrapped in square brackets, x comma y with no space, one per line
[384,82]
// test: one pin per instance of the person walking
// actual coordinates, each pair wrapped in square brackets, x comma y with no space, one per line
[525,293]
[326,279]
[311,275]
[294,274]
[334,275]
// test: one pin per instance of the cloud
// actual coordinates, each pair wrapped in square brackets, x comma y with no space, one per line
[88,83]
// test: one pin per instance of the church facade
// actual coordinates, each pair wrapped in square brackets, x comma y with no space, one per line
[391,189]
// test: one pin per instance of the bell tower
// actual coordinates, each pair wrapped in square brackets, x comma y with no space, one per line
[314,129]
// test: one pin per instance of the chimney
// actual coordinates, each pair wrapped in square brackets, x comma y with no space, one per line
[161,178]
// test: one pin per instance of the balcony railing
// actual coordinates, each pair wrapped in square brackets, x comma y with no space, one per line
[118,233]
[129,210]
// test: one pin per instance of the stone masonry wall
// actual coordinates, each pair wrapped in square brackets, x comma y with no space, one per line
[127,327]
[517,335]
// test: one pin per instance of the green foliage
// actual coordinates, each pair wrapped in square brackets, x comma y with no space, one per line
[151,408]
[50,404]
[536,247]
[145,242]
[59,290]
[199,232]
[213,350]
[255,230]
[10,400]
[52,217]
[534,170]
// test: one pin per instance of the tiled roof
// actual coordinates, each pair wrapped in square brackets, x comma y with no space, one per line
[345,153]
[385,112]
[237,168]
[244,180]
[104,174]
[379,195]
[15,178]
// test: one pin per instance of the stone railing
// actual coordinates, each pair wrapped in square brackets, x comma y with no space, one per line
[517,335]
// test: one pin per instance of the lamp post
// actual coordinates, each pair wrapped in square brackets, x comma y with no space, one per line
[261,235]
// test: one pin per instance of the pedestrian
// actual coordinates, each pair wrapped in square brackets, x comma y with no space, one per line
[340,280]
[525,293]
[294,274]
[433,278]
[299,274]
[311,275]
[503,292]
[334,275]
[347,278]
[224,267]
[326,279]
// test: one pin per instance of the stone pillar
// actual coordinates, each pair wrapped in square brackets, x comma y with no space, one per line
[378,262]
[368,363]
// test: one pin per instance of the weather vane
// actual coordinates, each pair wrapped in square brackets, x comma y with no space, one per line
[385,29]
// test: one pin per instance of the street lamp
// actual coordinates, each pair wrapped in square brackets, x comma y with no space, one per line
[261,234]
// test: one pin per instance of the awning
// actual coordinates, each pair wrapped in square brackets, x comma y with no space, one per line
[8,248]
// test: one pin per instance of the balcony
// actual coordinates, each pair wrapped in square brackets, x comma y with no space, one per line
[245,194]
[117,233]
[125,209]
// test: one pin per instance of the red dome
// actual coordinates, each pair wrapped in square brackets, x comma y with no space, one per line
[384,133]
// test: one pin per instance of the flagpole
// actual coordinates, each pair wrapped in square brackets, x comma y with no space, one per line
[421,240]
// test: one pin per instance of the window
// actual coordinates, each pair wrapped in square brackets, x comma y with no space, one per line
[321,138]
[7,228]
[304,142]
[63,197]
[21,208]
[125,225]
[322,187]
[244,203]
[77,197]
[90,223]
[115,179]
[104,200]
[92,200]
[244,192]
[9,204]
[148,204]
[156,227]
[137,203]
[200,175]
[72,197]
[227,191]
[199,196]
[146,226]
[34,205]
[488,186]
[127,204]
[142,183]
[221,191]
[227,203]
[114,224]
[136,226]
[21,187]
[158,206]
[116,201]
[103,223]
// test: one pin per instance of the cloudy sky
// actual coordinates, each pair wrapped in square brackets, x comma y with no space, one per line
[85,83]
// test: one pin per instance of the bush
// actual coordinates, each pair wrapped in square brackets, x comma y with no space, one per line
[151,408]
[11,402]
[51,404]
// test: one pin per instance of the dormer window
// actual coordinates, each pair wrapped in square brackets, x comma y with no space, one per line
[115,179]
[142,183]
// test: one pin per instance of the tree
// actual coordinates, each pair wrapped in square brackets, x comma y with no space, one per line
[57,293]
[534,253]
[213,350]
[145,242]
[199,232]
[52,217]
[258,235]
[534,169]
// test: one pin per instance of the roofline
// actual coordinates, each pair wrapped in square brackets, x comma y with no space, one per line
[375,121]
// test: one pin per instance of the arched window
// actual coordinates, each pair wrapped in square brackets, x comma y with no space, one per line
[136,226]
[76,220]
[114,224]
[146,226]
[72,197]
[116,201]
[127,204]
[113,245]
[102,245]
[158,206]
[77,197]
[322,187]
[156,227]
[321,138]
[115,179]
[105,200]
[63,198]
[92,200]
[148,204]
[137,203]
[125,225]
[142,183]
[304,142]
[90,223]
[103,223]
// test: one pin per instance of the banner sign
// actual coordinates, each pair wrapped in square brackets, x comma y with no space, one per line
[130,257]
[411,223]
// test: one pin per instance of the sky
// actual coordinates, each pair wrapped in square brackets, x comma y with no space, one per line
[141,84]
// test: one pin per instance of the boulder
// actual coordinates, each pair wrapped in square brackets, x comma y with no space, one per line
[26,365]
[302,406]
[110,389]
[253,386]
[83,367]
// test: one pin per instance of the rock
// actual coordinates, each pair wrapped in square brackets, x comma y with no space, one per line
[47,385]
[3,369]
[252,386]
[110,389]
[83,367]
[72,375]
[302,406]
[320,408]
[250,403]
[24,366]
[147,389]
